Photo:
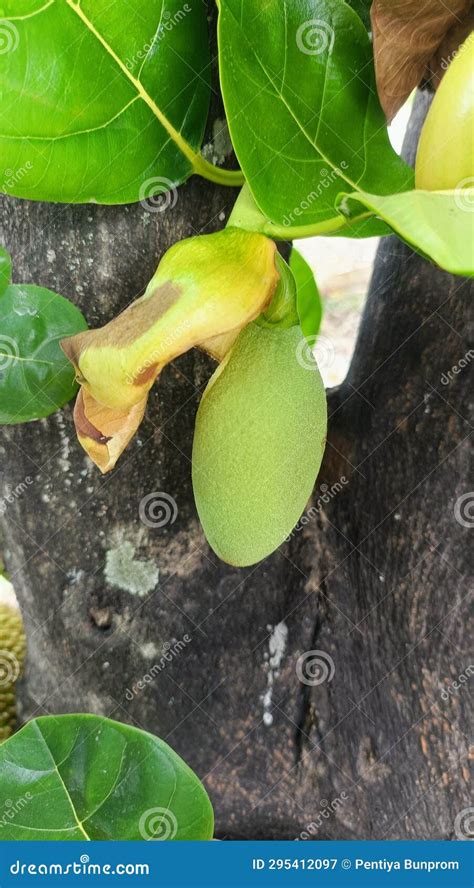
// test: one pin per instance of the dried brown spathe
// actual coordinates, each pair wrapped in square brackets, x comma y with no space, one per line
[414,40]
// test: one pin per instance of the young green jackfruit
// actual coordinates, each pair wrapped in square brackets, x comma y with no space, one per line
[258,443]
[12,655]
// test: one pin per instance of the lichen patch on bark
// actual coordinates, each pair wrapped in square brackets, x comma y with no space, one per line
[125,571]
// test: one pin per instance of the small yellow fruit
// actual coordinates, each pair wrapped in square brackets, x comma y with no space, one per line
[445,157]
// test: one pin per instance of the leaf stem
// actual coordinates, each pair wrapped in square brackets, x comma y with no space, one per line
[291,232]
[219,176]
[336,223]
[246,214]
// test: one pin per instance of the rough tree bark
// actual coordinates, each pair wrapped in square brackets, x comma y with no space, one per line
[377,578]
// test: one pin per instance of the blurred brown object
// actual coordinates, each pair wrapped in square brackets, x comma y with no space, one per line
[414,41]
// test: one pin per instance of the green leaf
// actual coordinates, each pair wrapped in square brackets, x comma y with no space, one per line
[36,378]
[258,443]
[5,270]
[362,8]
[309,303]
[438,224]
[299,90]
[76,777]
[102,101]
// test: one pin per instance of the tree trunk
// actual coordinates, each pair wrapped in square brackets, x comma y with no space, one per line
[355,740]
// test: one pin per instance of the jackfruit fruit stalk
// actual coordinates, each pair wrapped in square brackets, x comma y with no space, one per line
[12,655]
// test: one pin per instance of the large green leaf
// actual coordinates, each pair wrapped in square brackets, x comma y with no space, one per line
[101,101]
[258,443]
[36,378]
[439,224]
[76,777]
[299,89]
[308,298]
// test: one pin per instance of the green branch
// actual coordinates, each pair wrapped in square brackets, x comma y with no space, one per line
[246,214]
